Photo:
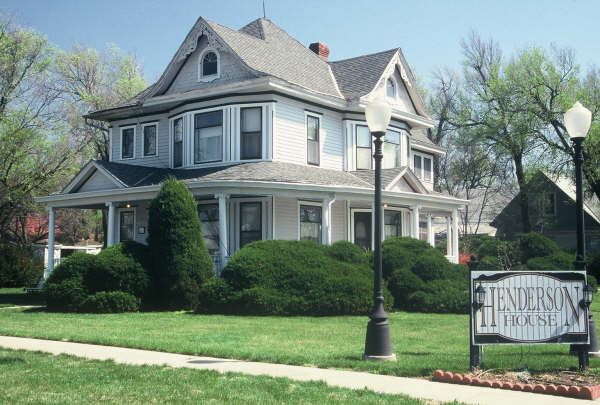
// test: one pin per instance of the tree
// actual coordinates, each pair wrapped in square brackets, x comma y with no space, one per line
[181,262]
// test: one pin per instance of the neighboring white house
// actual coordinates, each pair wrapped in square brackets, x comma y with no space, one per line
[271,139]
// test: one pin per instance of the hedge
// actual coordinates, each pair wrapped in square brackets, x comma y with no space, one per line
[276,277]
[110,302]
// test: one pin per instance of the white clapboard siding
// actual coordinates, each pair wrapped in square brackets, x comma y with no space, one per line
[97,181]
[286,218]
[338,221]
[162,158]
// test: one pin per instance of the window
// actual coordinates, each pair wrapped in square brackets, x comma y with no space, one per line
[312,135]
[310,223]
[391,150]
[363,147]
[178,142]
[127,142]
[423,167]
[208,137]
[209,216]
[392,224]
[423,230]
[126,226]
[149,132]
[210,64]
[251,133]
[250,222]
[391,88]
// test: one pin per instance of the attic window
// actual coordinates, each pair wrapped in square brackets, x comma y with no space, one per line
[391,88]
[208,66]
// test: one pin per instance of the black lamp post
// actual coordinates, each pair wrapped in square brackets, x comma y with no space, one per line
[578,120]
[378,345]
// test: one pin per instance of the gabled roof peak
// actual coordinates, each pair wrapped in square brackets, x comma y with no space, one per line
[255,28]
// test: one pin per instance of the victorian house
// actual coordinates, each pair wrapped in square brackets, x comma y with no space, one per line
[270,137]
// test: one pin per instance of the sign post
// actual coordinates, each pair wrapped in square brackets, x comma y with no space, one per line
[532,307]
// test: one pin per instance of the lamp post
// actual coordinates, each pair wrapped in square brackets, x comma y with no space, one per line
[378,345]
[578,120]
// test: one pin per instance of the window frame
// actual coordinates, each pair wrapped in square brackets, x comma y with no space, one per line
[398,163]
[121,129]
[302,203]
[213,204]
[356,147]
[308,115]
[172,121]
[120,212]
[208,78]
[209,111]
[261,109]
[144,126]
[421,174]
[260,221]
[391,80]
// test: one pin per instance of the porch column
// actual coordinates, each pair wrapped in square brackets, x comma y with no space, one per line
[326,213]
[448,238]
[51,224]
[110,228]
[430,234]
[223,237]
[415,222]
[455,234]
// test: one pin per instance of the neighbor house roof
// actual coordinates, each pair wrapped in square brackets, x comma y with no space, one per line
[567,186]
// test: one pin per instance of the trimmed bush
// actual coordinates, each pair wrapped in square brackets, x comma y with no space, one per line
[105,302]
[402,253]
[277,277]
[18,267]
[348,252]
[180,261]
[65,296]
[536,245]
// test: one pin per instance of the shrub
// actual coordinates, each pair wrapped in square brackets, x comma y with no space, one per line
[277,277]
[431,266]
[401,253]
[348,252]
[536,245]
[65,296]
[180,261]
[557,261]
[105,302]
[18,267]
[439,296]
[593,264]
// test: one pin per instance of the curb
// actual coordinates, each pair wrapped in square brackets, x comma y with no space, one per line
[590,392]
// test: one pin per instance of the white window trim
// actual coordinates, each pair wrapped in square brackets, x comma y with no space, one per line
[320,118]
[209,78]
[352,145]
[422,156]
[118,223]
[396,88]
[402,211]
[150,124]
[193,135]
[263,213]
[171,135]
[369,210]
[121,129]
[315,204]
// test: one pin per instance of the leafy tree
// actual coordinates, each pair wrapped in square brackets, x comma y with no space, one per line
[180,260]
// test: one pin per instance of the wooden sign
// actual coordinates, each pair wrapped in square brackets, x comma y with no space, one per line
[529,307]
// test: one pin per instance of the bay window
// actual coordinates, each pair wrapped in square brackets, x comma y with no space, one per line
[208,137]
[391,150]
[310,223]
[178,142]
[250,222]
[312,135]
[363,148]
[251,133]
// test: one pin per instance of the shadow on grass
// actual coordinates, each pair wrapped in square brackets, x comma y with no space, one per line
[11,360]
[21,298]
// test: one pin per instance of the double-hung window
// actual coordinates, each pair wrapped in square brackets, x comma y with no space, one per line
[251,133]
[363,148]
[423,167]
[250,222]
[178,142]
[126,226]
[310,223]
[149,132]
[392,224]
[208,137]
[127,142]
[391,150]
[312,138]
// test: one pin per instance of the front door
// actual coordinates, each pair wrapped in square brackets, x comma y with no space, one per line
[362,230]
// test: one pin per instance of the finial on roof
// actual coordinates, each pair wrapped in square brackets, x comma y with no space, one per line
[264,12]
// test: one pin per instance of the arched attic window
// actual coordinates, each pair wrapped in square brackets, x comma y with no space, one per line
[390,88]
[208,65]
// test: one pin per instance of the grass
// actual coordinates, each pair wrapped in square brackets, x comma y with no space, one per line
[422,342]
[45,379]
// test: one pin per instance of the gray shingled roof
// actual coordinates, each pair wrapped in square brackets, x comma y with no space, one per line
[387,175]
[278,172]
[358,76]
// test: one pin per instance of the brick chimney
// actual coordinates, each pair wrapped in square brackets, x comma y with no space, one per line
[320,49]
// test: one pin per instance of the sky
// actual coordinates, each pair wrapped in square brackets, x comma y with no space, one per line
[429,32]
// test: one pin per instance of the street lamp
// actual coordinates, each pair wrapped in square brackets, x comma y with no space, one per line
[378,345]
[588,296]
[578,120]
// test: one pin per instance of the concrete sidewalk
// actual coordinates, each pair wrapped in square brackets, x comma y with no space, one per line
[417,388]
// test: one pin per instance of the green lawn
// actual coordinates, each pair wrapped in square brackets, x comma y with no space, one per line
[45,379]
[422,342]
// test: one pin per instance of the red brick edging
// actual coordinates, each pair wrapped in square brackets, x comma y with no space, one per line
[586,392]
